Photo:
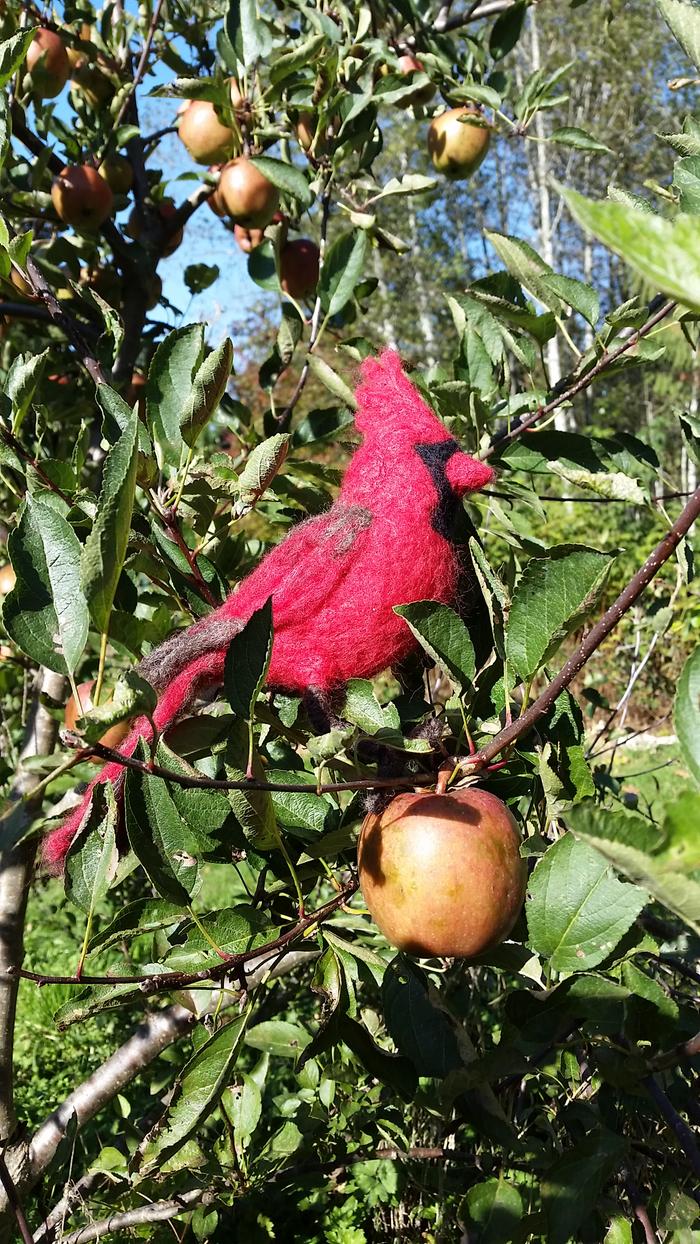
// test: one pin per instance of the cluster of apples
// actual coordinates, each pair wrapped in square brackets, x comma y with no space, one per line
[243,194]
[82,194]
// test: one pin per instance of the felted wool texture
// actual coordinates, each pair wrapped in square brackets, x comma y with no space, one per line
[335,579]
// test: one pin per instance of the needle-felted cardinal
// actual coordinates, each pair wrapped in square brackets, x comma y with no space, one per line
[334,580]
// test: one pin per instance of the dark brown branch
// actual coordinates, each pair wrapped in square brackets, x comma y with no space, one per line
[64,321]
[24,311]
[594,638]
[171,523]
[226,965]
[502,439]
[16,1205]
[678,1126]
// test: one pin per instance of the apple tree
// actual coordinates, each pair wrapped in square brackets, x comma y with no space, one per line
[204,212]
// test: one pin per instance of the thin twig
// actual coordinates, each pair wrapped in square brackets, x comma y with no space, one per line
[158,1211]
[13,1197]
[284,418]
[504,438]
[199,782]
[17,447]
[610,619]
[548,496]
[678,1126]
[229,965]
[142,64]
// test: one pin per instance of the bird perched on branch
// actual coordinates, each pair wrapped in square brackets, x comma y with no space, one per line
[388,540]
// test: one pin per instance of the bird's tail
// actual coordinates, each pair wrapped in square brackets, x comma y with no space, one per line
[205,670]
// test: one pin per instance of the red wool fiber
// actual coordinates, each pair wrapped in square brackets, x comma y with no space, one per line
[335,579]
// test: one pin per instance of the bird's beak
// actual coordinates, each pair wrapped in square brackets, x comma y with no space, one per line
[466,474]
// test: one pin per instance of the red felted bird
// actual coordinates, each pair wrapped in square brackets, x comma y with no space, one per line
[388,540]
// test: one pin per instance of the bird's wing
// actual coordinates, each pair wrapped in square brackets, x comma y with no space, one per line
[304,571]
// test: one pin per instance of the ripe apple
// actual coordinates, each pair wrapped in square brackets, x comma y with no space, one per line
[204,135]
[248,196]
[81,197]
[299,263]
[165,209]
[457,147]
[118,173]
[47,64]
[8,579]
[112,737]
[408,65]
[442,874]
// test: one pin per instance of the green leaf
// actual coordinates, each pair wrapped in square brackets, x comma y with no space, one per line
[304,810]
[170,374]
[234,931]
[13,51]
[686,713]
[286,177]
[572,1185]
[92,859]
[619,1232]
[686,179]
[582,298]
[208,387]
[278,1037]
[683,20]
[505,31]
[143,916]
[243,1105]
[162,841]
[46,613]
[248,660]
[658,875]
[410,183]
[105,548]
[196,1094]
[363,709]
[248,35]
[343,268]
[332,381]
[253,810]
[261,467]
[495,1209]
[199,276]
[664,252]
[551,599]
[132,696]
[580,140]
[526,266]
[443,635]
[578,910]
[21,382]
[420,1030]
